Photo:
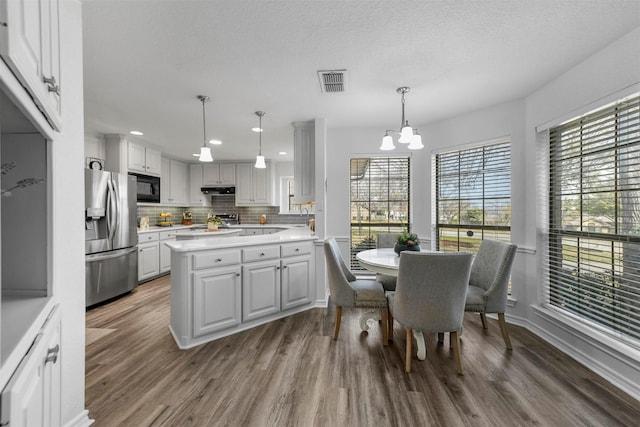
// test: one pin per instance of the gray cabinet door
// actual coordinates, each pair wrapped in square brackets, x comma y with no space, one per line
[216,300]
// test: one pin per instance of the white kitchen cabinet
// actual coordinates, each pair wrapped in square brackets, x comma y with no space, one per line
[296,274]
[173,185]
[254,187]
[260,289]
[165,252]
[32,396]
[30,45]
[197,197]
[219,174]
[148,256]
[304,161]
[216,300]
[142,159]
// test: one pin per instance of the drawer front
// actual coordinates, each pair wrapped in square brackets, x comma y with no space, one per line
[165,235]
[293,249]
[260,253]
[147,237]
[215,259]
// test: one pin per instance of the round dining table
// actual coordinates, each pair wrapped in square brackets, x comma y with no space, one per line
[386,261]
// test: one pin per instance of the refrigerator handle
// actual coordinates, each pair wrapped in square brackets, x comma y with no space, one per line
[116,207]
[111,215]
[110,254]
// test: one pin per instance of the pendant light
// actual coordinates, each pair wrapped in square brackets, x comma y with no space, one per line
[205,152]
[406,132]
[260,164]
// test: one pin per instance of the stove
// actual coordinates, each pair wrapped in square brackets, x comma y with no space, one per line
[229,219]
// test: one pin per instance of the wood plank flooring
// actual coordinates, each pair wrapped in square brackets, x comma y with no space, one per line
[290,373]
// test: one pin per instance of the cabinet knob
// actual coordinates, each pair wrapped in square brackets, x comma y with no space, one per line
[218,259]
[297,249]
[261,253]
[51,83]
[284,266]
[52,354]
[238,274]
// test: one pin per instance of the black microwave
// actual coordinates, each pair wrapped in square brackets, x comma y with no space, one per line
[148,188]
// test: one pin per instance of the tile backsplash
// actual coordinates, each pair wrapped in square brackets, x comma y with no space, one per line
[222,204]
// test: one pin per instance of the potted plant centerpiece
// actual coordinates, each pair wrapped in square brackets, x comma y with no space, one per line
[407,242]
[213,222]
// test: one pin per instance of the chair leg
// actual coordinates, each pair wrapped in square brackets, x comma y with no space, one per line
[503,329]
[454,338]
[483,317]
[440,338]
[407,363]
[385,325]
[390,327]
[336,327]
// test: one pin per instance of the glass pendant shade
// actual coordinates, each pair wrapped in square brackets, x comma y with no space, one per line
[416,142]
[406,134]
[260,164]
[205,154]
[387,143]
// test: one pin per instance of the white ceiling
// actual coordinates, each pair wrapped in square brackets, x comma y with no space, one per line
[145,62]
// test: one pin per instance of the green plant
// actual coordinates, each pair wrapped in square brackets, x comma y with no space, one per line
[406,238]
[215,219]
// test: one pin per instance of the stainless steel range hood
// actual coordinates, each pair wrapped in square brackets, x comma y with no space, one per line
[217,191]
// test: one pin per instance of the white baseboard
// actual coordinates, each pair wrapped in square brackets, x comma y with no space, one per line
[621,380]
[81,420]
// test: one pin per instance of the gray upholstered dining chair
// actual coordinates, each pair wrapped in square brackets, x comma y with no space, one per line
[347,291]
[430,296]
[489,282]
[386,240]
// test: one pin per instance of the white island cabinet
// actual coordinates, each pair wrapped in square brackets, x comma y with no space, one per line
[223,286]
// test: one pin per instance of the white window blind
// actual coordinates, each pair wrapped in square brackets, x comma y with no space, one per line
[593,254]
[473,196]
[379,200]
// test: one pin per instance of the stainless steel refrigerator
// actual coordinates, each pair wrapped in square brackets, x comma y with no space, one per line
[111,238]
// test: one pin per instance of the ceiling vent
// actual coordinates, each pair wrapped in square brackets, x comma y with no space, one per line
[333,81]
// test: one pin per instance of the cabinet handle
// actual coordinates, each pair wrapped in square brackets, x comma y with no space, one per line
[238,274]
[262,254]
[52,354]
[52,86]
[284,266]
[218,259]
[297,250]
[277,268]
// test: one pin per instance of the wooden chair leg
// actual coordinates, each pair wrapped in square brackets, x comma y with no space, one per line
[483,317]
[503,329]
[336,327]
[407,363]
[390,327]
[440,338]
[454,338]
[385,326]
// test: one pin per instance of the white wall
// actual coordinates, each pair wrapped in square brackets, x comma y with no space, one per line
[607,72]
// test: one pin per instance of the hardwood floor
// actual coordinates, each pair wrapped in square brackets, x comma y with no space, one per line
[290,373]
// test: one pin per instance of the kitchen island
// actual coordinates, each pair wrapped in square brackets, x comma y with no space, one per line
[223,286]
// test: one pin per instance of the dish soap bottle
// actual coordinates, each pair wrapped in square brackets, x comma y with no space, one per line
[263,219]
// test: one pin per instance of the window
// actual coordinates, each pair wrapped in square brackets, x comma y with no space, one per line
[473,196]
[379,200]
[593,254]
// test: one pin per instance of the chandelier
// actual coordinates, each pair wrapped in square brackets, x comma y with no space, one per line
[408,135]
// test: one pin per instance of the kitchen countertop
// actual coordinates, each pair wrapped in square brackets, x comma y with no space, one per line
[291,233]
[156,228]
[202,233]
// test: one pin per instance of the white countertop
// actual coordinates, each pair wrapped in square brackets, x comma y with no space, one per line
[291,233]
[156,228]
[201,233]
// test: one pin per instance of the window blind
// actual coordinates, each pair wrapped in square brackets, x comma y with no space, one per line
[593,254]
[379,200]
[473,196]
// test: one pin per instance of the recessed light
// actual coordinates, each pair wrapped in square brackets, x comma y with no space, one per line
[282,153]
[136,132]
[215,142]
[256,129]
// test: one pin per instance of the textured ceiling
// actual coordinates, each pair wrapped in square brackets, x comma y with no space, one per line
[145,62]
